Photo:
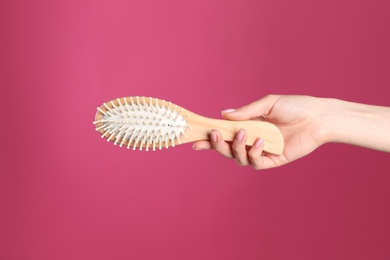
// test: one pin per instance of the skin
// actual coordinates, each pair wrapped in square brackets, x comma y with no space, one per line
[306,123]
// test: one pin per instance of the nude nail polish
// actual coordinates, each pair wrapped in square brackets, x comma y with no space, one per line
[213,137]
[230,110]
[196,148]
[258,143]
[240,135]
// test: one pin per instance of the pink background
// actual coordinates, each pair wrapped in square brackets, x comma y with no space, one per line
[67,194]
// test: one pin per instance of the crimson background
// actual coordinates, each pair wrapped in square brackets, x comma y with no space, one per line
[66,194]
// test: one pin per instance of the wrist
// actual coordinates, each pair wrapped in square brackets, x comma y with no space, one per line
[341,118]
[334,112]
[323,116]
[356,124]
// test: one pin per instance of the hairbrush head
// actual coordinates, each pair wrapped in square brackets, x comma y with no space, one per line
[140,122]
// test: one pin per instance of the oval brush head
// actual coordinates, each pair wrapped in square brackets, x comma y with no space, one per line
[150,123]
[141,122]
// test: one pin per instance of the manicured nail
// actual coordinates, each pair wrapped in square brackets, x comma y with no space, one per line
[213,137]
[228,110]
[196,148]
[258,143]
[240,135]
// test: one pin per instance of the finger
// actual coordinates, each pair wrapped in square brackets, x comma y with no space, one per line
[255,154]
[255,109]
[201,145]
[218,143]
[238,148]
[256,157]
[260,161]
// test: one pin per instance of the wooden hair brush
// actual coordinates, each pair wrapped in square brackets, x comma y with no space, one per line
[151,123]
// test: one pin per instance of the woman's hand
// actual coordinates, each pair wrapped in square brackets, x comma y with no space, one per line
[298,118]
[306,123]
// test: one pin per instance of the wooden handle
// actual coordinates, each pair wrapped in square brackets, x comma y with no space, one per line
[201,127]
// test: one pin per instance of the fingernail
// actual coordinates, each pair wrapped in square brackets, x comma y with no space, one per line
[196,148]
[240,135]
[213,137]
[228,110]
[258,143]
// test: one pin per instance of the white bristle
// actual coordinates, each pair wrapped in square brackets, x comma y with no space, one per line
[127,106]
[143,142]
[116,111]
[178,139]
[98,128]
[121,107]
[101,111]
[106,131]
[131,137]
[108,111]
[109,138]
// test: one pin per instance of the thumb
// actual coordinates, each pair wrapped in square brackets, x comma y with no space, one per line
[252,110]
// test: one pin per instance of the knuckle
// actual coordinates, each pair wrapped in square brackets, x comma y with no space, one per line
[252,155]
[258,165]
[239,162]
[216,145]
[235,148]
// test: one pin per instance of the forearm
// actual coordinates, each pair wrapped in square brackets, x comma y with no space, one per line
[358,124]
